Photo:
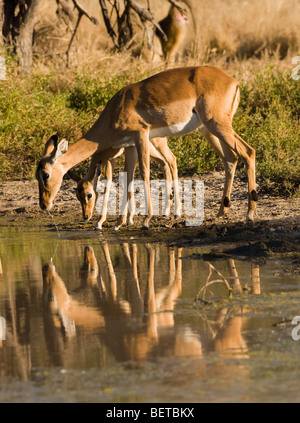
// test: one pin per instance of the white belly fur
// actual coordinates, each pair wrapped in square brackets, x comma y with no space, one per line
[178,129]
[126,142]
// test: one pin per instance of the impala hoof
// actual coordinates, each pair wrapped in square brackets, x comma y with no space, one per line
[129,221]
[221,213]
[250,217]
[177,213]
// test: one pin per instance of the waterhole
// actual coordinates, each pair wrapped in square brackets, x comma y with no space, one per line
[86,319]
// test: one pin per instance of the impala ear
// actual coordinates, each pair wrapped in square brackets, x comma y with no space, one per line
[61,149]
[54,150]
[51,145]
[74,176]
[98,170]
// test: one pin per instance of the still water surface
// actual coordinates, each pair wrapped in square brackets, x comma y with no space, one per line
[86,320]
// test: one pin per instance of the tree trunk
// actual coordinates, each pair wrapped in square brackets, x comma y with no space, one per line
[24,39]
[1,21]
[7,28]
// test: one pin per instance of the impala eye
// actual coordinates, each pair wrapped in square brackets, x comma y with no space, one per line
[45,175]
[89,196]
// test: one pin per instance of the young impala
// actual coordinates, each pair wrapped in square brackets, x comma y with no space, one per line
[86,190]
[171,103]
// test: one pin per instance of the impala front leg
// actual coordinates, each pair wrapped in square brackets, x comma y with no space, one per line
[108,174]
[130,164]
[155,152]
[161,145]
[143,148]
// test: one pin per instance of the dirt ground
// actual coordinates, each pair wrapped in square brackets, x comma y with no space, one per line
[275,230]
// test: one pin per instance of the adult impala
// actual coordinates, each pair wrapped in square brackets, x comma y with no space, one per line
[171,103]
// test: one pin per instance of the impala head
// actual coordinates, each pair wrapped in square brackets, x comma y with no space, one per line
[86,193]
[87,197]
[49,173]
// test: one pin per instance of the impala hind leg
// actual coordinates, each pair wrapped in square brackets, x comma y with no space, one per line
[230,160]
[249,160]
[231,139]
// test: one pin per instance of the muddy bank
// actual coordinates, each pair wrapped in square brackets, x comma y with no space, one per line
[276,229]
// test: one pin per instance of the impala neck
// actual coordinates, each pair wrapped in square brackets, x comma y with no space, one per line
[77,153]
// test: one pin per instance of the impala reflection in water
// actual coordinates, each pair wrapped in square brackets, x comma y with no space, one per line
[129,313]
[137,321]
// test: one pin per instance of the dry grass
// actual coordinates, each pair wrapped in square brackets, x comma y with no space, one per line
[246,28]
[225,31]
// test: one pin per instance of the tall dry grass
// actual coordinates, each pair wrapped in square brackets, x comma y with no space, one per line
[239,29]
[247,28]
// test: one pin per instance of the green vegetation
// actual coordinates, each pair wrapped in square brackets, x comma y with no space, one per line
[269,119]
[34,107]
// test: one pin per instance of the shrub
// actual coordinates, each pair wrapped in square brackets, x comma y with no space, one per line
[268,119]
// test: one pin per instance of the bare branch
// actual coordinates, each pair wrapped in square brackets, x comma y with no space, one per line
[211,282]
[72,38]
[84,12]
[146,15]
[181,9]
[107,23]
[148,32]
[81,12]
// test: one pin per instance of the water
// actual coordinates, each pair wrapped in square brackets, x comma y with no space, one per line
[85,320]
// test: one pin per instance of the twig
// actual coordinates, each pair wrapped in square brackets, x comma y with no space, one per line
[85,13]
[107,23]
[181,9]
[208,282]
[81,12]
[146,15]
[72,38]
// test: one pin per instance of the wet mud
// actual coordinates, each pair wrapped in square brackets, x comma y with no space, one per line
[276,229]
